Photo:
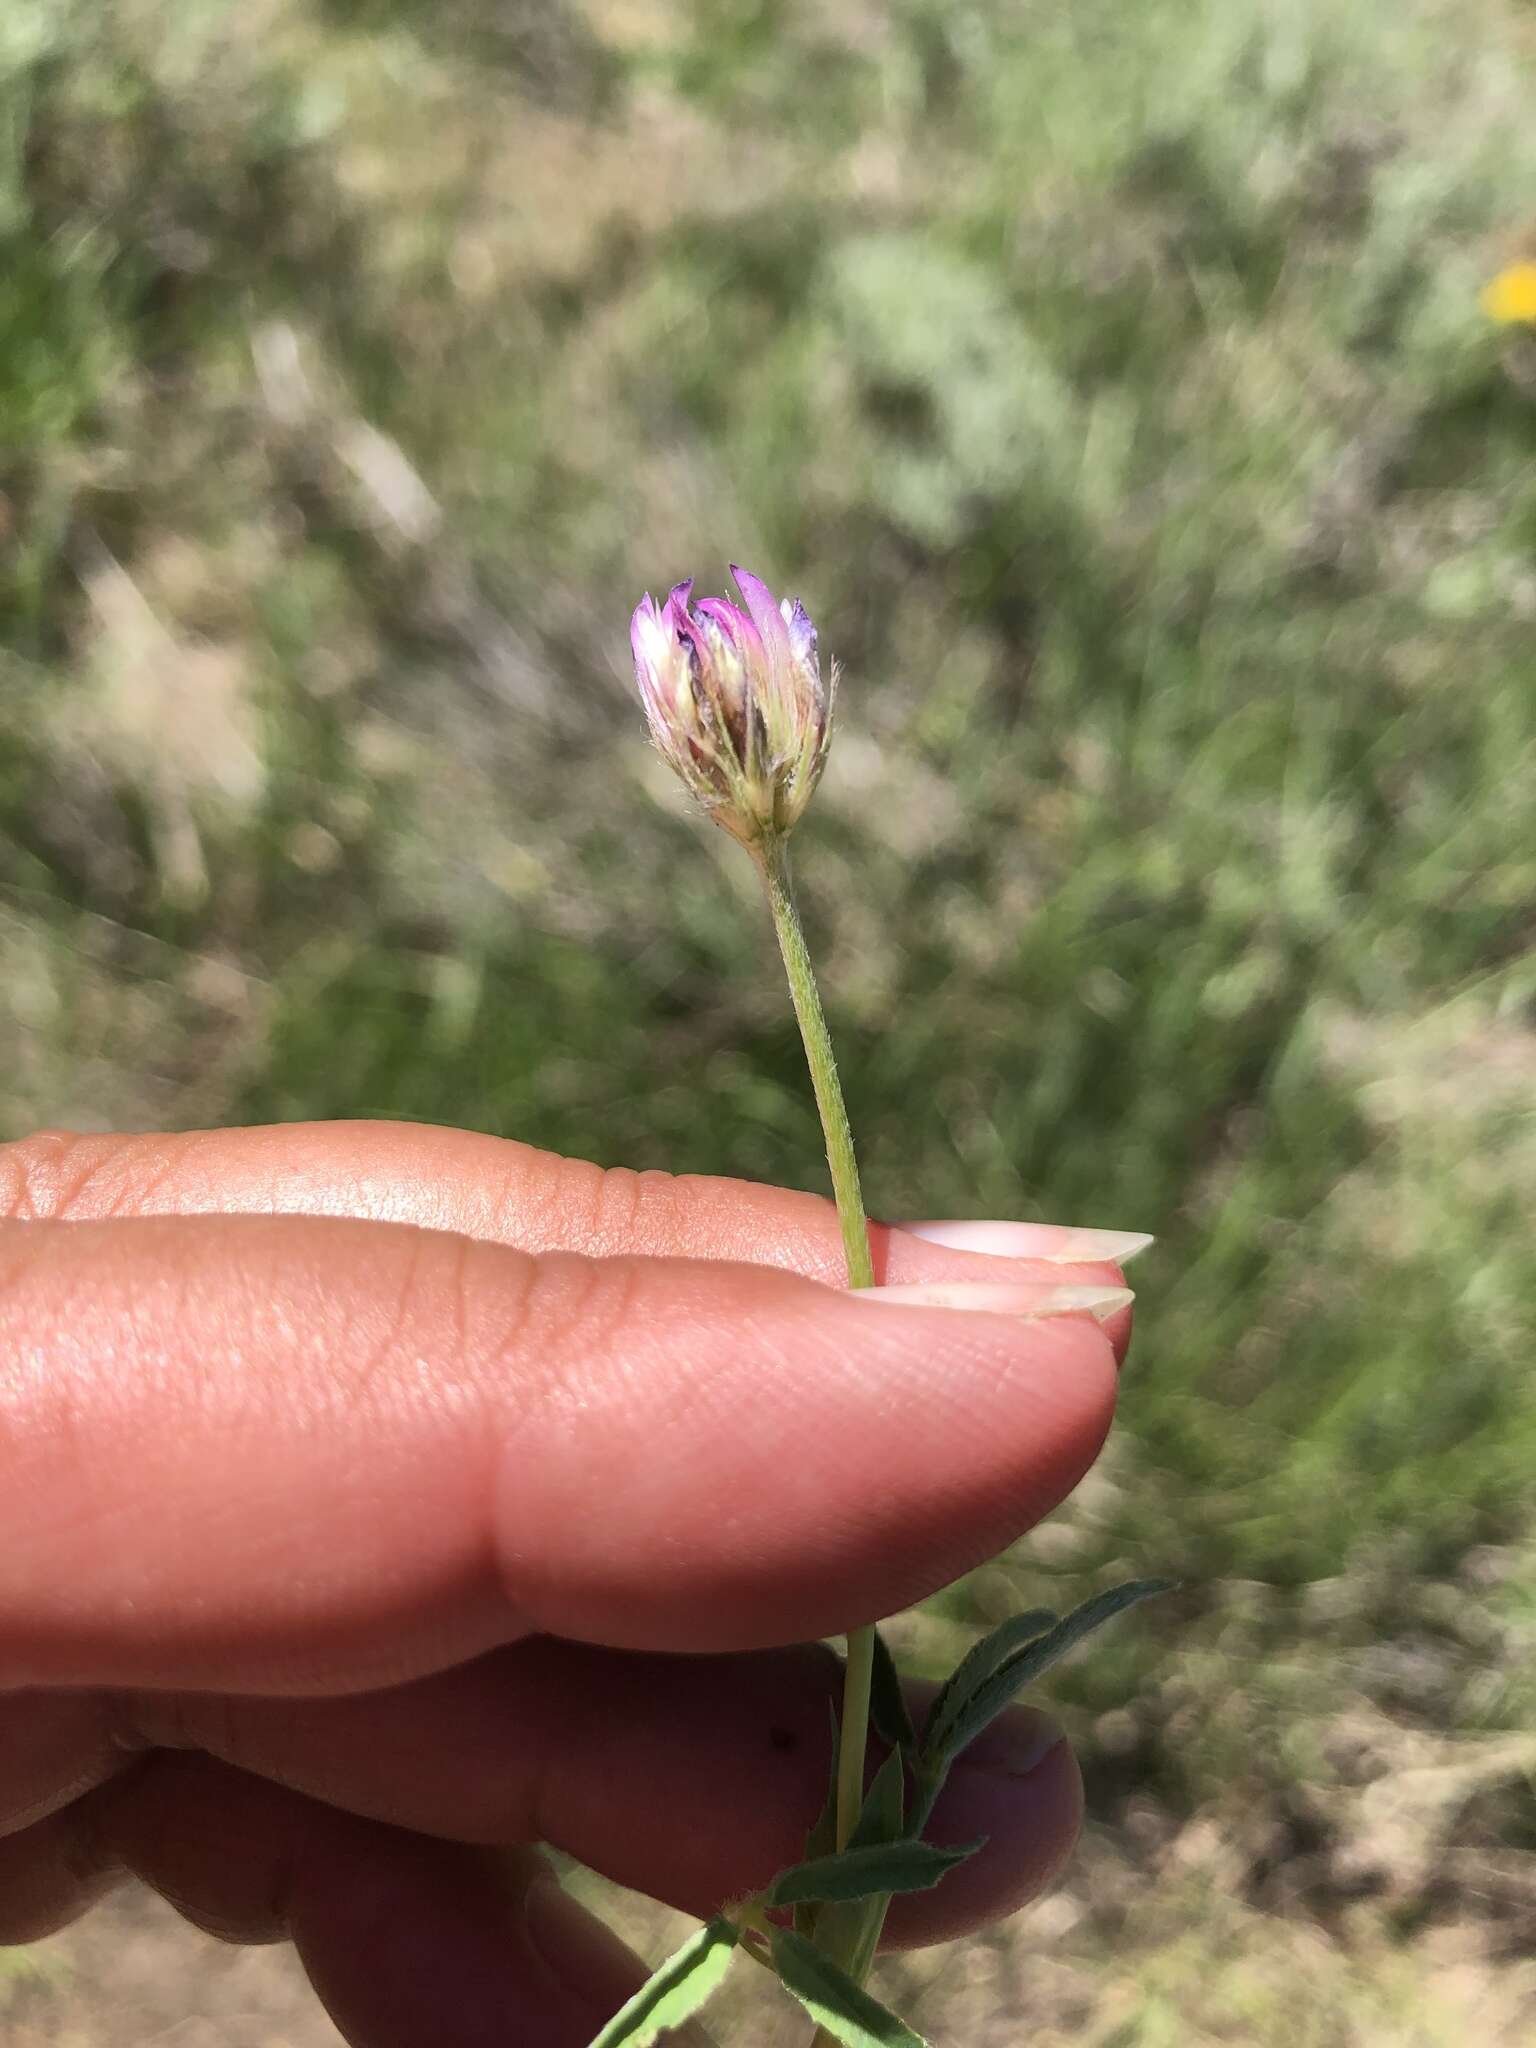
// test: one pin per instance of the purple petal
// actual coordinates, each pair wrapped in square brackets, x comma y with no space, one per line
[676,607]
[736,626]
[802,635]
[766,616]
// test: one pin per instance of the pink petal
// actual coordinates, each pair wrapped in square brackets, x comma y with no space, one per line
[736,626]
[644,614]
[767,618]
[676,608]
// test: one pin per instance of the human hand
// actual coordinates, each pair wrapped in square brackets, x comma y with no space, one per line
[360,1486]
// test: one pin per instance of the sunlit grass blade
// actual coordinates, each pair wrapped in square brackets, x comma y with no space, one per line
[673,1993]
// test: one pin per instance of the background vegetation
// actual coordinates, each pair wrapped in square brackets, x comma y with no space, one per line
[1111,382]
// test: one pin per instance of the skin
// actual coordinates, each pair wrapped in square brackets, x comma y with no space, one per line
[382,1501]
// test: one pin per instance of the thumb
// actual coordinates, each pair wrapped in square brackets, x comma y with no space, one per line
[297,1454]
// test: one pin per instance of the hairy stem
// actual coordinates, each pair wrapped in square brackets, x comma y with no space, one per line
[774,860]
[818,1053]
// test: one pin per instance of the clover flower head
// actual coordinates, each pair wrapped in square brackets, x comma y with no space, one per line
[736,702]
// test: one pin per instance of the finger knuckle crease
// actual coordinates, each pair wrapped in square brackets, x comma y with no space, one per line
[640,1210]
[44,1177]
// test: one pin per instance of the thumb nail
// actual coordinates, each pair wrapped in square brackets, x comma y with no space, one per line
[1019,1298]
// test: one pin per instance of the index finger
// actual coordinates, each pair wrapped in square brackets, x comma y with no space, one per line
[506,1193]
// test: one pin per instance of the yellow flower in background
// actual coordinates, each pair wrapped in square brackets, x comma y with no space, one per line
[1510,298]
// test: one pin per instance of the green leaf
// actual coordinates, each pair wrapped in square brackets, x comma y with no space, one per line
[834,2001]
[807,1916]
[887,1701]
[850,1932]
[675,1991]
[822,1839]
[978,1665]
[989,1698]
[882,1868]
[880,1817]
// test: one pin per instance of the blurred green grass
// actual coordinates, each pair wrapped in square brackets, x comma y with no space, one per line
[1112,385]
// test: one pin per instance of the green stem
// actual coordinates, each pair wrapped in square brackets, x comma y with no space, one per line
[861,1272]
[774,860]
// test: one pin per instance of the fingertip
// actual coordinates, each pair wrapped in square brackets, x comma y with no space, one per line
[1018,1787]
[430,1941]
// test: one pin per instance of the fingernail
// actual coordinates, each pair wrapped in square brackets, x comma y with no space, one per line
[1018,1299]
[1055,1243]
[1015,1744]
